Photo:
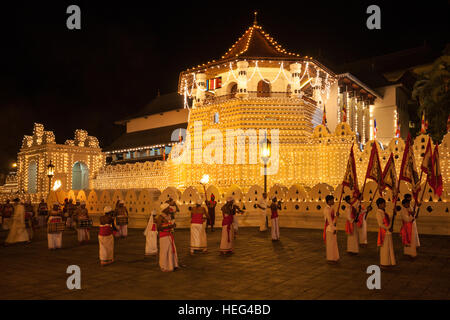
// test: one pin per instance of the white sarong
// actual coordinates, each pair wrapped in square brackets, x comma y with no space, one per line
[198,237]
[332,247]
[151,238]
[168,258]
[226,242]
[387,256]
[275,229]
[18,231]
[54,240]
[106,248]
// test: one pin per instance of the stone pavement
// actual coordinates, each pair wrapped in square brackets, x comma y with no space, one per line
[293,268]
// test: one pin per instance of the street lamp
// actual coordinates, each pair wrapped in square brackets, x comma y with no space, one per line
[50,174]
[265,155]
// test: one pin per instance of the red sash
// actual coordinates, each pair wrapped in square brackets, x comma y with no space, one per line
[348,224]
[360,221]
[197,218]
[227,221]
[154,227]
[105,231]
[326,225]
[382,232]
[406,232]
[274,214]
[167,233]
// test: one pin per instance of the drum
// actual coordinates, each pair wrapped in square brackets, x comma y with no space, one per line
[56,227]
[122,220]
[84,224]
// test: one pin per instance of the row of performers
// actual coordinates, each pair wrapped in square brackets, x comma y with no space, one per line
[163,226]
[356,229]
[21,226]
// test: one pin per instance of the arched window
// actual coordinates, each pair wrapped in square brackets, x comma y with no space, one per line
[32,177]
[232,88]
[263,89]
[80,176]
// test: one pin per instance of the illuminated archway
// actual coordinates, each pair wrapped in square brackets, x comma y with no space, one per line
[80,176]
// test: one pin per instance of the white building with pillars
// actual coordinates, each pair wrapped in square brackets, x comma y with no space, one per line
[76,161]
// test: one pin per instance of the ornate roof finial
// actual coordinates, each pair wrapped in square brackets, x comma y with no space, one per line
[255,22]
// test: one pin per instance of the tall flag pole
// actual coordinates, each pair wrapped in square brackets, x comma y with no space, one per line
[397,130]
[438,185]
[408,169]
[375,129]
[422,127]
[390,177]
[350,178]
[374,168]
[344,111]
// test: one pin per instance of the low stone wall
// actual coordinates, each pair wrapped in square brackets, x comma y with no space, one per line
[436,222]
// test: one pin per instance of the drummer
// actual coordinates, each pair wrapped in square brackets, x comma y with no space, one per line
[55,226]
[42,213]
[122,220]
[83,224]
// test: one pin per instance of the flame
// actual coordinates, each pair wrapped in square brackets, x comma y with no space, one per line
[56,185]
[205,179]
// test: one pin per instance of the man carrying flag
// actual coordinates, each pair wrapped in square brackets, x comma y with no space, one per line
[355,222]
[408,170]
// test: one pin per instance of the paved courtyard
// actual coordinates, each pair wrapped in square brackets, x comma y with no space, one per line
[293,268]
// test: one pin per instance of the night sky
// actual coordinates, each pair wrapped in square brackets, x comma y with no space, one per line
[126,51]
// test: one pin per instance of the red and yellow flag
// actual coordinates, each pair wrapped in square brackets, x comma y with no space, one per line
[408,170]
[390,176]
[374,167]
[438,186]
[427,165]
[350,178]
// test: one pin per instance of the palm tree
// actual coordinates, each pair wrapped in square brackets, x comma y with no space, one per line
[433,97]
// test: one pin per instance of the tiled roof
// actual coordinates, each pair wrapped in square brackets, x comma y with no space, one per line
[151,137]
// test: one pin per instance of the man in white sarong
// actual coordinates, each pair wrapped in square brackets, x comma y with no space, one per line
[275,228]
[262,210]
[151,236]
[122,220]
[227,240]
[106,237]
[198,230]
[55,225]
[168,258]
[387,256]
[351,227]
[414,224]
[330,231]
[8,210]
[18,231]
[82,218]
[407,231]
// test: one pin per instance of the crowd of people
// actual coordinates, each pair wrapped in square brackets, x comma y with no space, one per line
[21,219]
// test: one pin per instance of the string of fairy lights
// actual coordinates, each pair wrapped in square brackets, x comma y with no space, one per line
[316,82]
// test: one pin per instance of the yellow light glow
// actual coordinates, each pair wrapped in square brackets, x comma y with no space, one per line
[205,179]
[57,185]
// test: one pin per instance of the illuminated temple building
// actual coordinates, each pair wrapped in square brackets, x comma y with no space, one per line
[256,85]
[256,90]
